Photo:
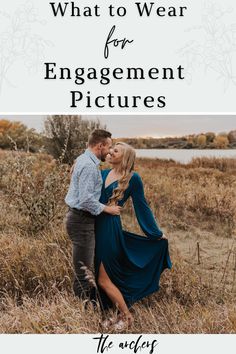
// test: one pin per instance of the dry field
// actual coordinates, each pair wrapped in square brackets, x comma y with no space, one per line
[196,207]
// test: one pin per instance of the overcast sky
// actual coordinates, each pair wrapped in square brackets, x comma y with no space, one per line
[143,125]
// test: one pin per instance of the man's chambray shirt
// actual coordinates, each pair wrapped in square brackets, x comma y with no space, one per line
[86,184]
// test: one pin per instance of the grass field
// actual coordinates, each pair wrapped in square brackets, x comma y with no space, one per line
[195,205]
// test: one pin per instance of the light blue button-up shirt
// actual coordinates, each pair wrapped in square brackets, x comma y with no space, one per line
[86,184]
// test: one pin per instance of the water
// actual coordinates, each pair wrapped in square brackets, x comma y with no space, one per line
[184,156]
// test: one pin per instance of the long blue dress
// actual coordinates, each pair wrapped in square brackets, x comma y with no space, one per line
[133,263]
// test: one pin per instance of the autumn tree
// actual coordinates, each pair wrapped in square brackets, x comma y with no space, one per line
[16,135]
[201,140]
[66,135]
[221,142]
[232,136]
[210,136]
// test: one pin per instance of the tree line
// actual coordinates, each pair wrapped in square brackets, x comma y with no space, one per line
[207,140]
[64,136]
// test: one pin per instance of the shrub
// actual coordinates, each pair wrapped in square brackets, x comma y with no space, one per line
[35,185]
[66,136]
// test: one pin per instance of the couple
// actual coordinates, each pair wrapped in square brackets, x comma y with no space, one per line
[127,266]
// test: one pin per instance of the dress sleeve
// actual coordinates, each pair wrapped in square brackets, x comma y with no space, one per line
[143,212]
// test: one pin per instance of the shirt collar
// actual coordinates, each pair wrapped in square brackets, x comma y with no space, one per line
[93,157]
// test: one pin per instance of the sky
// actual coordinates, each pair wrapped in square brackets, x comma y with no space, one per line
[147,125]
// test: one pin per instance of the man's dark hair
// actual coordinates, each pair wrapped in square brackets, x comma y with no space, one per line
[98,136]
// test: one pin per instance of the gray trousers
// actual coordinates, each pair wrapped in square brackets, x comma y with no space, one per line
[80,228]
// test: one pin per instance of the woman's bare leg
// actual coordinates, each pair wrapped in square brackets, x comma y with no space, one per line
[113,292]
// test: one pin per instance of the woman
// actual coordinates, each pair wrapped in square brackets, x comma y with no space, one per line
[127,266]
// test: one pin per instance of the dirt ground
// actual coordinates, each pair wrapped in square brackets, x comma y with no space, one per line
[214,257]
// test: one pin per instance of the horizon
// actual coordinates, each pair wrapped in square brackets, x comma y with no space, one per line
[146,126]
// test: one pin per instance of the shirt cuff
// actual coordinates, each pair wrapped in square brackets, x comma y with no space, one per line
[100,209]
[97,210]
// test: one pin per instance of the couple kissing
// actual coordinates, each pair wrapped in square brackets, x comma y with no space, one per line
[127,266]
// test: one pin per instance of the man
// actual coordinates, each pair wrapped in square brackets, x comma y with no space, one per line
[83,201]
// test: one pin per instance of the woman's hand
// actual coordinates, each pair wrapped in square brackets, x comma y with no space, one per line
[163,237]
[112,209]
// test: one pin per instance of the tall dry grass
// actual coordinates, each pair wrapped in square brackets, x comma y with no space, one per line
[187,195]
[35,262]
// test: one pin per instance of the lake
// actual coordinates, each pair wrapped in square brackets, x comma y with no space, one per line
[184,156]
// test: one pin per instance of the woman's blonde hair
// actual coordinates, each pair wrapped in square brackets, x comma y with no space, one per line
[126,168]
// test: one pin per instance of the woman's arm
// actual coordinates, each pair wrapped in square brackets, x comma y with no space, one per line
[143,212]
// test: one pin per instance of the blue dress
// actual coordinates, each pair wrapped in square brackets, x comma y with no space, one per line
[133,263]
